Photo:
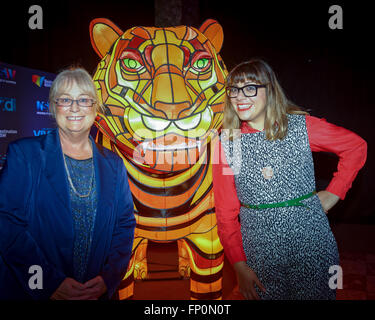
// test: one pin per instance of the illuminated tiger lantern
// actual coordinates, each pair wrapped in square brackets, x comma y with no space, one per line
[163,91]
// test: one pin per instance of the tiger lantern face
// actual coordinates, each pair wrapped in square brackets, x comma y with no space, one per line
[163,91]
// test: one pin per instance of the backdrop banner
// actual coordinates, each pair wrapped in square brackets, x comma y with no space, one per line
[24,107]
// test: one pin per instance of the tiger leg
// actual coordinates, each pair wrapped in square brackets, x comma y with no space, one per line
[206,257]
[137,269]
[183,259]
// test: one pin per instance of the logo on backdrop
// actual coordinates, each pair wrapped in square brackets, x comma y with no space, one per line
[7,104]
[41,131]
[2,159]
[7,75]
[42,108]
[5,132]
[41,81]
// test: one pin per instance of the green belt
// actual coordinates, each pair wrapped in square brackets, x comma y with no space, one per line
[289,203]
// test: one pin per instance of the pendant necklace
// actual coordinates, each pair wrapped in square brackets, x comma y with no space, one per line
[71,182]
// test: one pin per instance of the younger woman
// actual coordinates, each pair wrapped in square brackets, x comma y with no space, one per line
[271,221]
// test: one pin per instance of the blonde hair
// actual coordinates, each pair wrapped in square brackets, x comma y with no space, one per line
[64,81]
[277,104]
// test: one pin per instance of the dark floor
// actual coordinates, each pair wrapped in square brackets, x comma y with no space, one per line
[357,259]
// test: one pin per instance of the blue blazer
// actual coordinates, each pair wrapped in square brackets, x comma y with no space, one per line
[36,224]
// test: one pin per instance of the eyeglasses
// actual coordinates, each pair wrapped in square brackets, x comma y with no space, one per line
[250,90]
[82,102]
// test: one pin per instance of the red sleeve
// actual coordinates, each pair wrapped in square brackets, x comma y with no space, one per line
[348,146]
[227,207]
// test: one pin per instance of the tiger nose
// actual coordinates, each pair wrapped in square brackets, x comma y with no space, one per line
[174,111]
[169,93]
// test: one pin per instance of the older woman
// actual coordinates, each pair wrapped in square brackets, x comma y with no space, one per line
[66,211]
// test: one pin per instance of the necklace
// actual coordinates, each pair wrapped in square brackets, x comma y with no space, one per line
[71,182]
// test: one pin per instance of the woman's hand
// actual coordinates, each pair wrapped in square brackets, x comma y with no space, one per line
[246,281]
[95,287]
[327,199]
[70,289]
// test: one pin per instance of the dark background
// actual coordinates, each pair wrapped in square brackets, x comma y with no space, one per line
[329,72]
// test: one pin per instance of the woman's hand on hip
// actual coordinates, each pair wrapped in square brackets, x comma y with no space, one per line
[247,279]
[327,199]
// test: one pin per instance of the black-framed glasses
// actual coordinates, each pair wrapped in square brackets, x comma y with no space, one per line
[250,90]
[82,102]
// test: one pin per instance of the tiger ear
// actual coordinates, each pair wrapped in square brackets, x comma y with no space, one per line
[213,32]
[103,33]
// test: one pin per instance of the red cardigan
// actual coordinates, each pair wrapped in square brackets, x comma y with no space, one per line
[323,136]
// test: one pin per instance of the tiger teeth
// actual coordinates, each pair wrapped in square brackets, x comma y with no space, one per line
[147,145]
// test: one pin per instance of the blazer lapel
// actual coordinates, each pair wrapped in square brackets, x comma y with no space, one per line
[54,167]
[105,177]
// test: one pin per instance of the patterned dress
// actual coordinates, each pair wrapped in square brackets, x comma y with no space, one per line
[291,249]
